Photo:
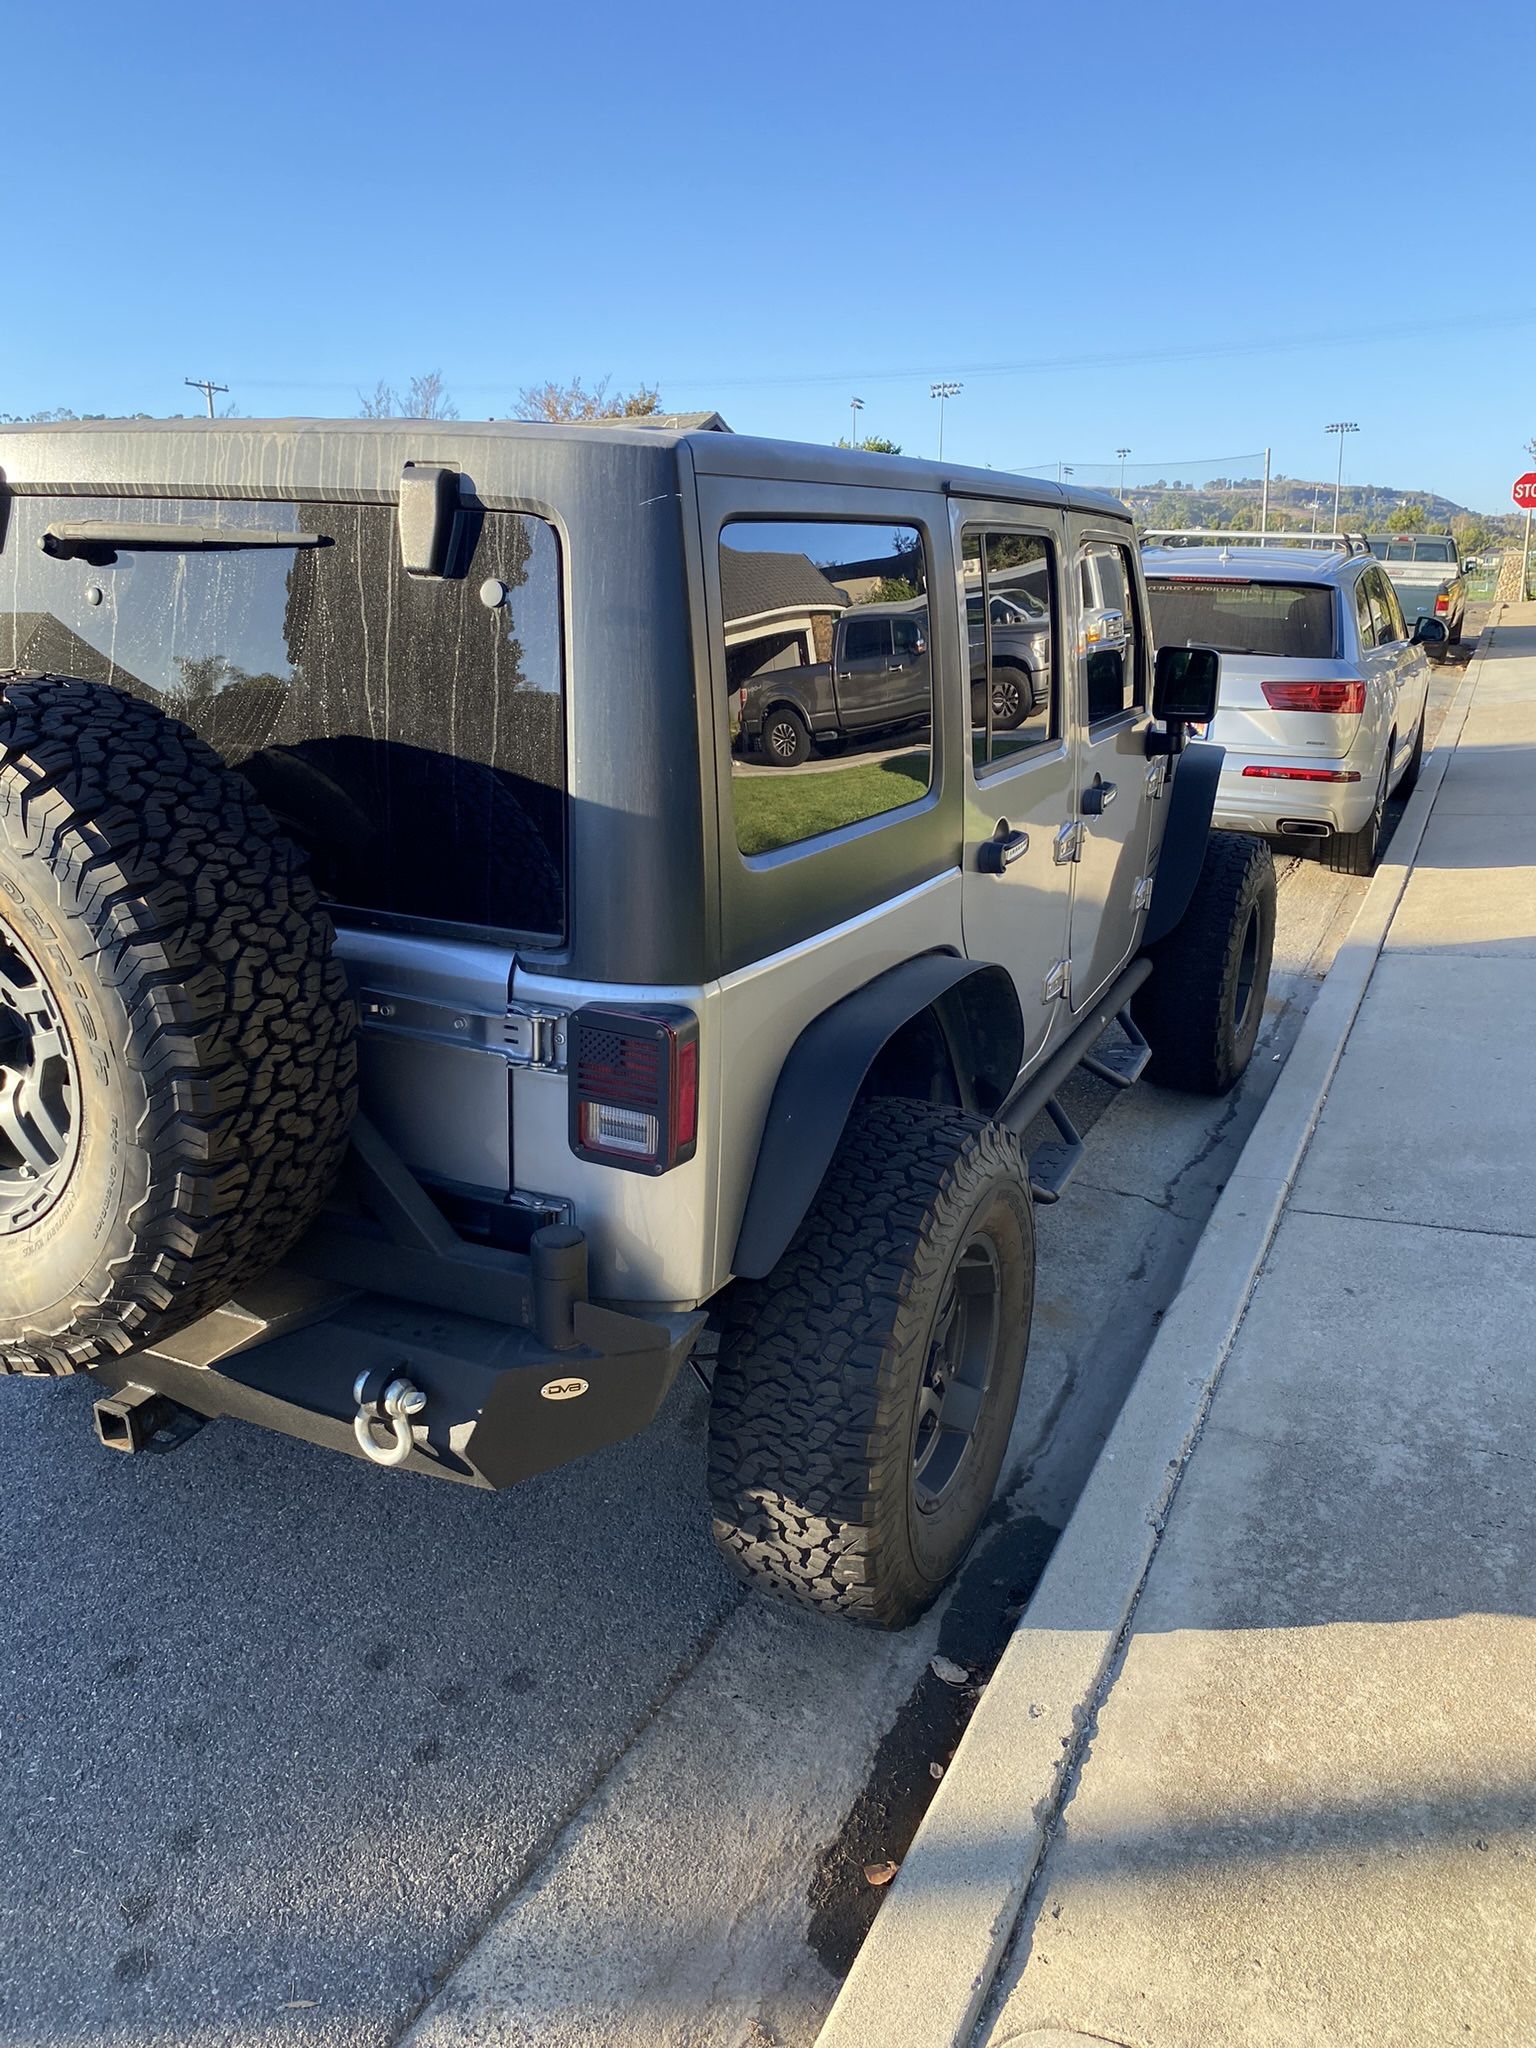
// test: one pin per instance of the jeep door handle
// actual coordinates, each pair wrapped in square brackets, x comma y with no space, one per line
[996,854]
[1096,801]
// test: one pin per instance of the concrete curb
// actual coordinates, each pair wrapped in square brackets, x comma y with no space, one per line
[929,1961]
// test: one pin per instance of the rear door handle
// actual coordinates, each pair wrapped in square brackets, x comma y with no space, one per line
[996,854]
[1096,801]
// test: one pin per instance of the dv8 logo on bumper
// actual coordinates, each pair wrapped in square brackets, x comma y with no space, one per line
[563,1390]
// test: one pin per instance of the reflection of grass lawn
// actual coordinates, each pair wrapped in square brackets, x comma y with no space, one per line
[778,810]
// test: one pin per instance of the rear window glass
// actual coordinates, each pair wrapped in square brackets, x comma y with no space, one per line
[1290,620]
[1434,551]
[409,733]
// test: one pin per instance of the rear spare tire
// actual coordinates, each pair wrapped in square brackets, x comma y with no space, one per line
[177,1047]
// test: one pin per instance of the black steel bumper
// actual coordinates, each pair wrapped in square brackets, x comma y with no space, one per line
[502,1402]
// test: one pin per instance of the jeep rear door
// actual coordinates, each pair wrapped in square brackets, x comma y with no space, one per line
[1020,780]
[1116,784]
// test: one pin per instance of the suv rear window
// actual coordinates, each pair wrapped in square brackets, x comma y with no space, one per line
[1293,621]
[409,733]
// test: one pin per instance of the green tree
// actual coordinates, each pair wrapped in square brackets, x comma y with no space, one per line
[873,444]
[1410,518]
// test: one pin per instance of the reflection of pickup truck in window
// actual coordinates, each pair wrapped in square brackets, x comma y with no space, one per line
[878,679]
[1425,570]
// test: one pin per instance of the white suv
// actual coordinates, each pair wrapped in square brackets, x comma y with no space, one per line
[1323,685]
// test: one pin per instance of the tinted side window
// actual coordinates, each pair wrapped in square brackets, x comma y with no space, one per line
[848,734]
[866,639]
[1108,632]
[1010,607]
[1365,616]
[1392,624]
[409,733]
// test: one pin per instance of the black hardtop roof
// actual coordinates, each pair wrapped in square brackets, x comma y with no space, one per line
[229,456]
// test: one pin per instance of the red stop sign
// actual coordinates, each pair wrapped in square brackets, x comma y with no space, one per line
[1525,490]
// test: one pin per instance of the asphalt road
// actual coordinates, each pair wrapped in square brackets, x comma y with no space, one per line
[304,1753]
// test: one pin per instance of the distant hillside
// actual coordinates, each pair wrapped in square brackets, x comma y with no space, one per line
[1235,502]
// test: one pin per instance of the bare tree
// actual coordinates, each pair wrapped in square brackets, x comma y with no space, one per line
[426,398]
[575,401]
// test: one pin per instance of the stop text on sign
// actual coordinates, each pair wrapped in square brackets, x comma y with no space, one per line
[1525,490]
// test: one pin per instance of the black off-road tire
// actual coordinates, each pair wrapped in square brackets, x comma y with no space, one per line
[1201,1010]
[1356,853]
[181,958]
[818,1392]
[786,738]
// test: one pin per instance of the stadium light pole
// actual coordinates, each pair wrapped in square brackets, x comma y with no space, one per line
[855,406]
[1341,428]
[941,392]
[1122,453]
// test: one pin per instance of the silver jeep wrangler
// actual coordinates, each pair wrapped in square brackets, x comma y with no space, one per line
[417,1008]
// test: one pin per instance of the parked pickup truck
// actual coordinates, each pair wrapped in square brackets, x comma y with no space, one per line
[878,679]
[1426,572]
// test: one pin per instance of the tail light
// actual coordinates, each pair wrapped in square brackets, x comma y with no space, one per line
[1442,603]
[634,1087]
[1330,696]
[1305,774]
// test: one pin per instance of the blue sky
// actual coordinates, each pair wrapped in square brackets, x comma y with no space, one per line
[1187,229]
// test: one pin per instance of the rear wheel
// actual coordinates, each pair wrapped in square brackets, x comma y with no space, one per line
[786,738]
[1013,696]
[866,1389]
[177,1067]
[1356,853]
[1203,1005]
[1408,781]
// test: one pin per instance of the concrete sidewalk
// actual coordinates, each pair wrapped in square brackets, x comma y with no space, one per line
[1306,1811]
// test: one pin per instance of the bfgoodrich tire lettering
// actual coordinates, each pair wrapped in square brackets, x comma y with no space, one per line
[1203,1005]
[817,1430]
[188,962]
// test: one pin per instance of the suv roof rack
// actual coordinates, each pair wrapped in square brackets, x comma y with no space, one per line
[1217,536]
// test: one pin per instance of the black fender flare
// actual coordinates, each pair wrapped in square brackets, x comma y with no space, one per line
[825,1068]
[1191,805]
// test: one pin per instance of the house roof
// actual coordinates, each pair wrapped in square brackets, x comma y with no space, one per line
[667,422]
[753,585]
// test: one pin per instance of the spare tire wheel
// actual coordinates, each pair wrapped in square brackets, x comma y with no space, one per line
[177,1046]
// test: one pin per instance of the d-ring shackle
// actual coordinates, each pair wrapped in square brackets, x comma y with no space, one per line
[385,1405]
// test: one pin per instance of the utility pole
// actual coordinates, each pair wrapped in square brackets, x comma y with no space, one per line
[1122,453]
[1341,428]
[855,406]
[941,392]
[207,387]
[1264,501]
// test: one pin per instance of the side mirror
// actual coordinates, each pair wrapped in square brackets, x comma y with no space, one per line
[1429,632]
[1186,682]
[1469,565]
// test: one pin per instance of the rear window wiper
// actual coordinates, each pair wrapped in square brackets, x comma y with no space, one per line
[101,540]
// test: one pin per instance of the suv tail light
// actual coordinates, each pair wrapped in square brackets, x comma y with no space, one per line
[1442,604]
[1330,696]
[634,1087]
